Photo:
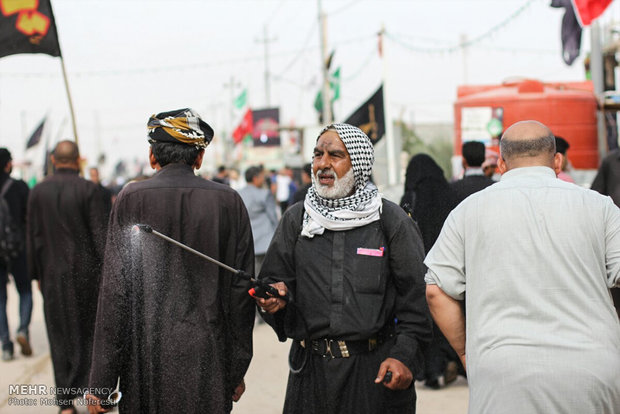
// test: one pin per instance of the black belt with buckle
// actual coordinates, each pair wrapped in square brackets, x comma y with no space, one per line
[334,348]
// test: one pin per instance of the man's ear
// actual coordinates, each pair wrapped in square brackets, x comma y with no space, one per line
[501,165]
[153,161]
[557,163]
[198,162]
[464,163]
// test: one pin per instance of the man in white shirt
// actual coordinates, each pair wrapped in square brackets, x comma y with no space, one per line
[536,257]
[283,192]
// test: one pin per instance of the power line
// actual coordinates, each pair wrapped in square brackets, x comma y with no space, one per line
[498,26]
[361,68]
[275,11]
[308,86]
[177,68]
[466,43]
[301,51]
[343,8]
[265,40]
[424,38]
[295,83]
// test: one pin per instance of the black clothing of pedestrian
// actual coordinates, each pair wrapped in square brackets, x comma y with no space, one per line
[607,182]
[300,194]
[341,294]
[430,199]
[428,196]
[16,197]
[66,230]
[470,184]
[175,328]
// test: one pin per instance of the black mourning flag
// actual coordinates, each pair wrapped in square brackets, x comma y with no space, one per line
[27,26]
[36,135]
[370,117]
[571,31]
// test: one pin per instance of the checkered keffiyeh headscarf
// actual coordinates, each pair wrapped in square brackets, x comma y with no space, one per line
[357,210]
[180,126]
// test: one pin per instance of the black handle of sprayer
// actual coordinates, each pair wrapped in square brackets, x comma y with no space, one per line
[261,289]
[266,291]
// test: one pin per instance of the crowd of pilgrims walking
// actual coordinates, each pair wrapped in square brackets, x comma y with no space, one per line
[115,303]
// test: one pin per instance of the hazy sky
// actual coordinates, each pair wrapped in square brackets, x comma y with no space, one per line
[128,59]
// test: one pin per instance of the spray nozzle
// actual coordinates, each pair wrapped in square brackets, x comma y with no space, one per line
[144,227]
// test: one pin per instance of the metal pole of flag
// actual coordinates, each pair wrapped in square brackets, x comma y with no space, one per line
[596,69]
[326,92]
[23,118]
[64,75]
[389,129]
[228,140]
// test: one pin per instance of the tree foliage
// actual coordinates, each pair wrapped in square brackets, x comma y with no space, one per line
[441,150]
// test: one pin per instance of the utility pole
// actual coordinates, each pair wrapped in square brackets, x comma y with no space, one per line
[325,90]
[596,70]
[266,40]
[393,161]
[24,128]
[232,85]
[97,135]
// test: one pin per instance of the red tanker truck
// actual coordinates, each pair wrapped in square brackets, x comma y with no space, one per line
[482,112]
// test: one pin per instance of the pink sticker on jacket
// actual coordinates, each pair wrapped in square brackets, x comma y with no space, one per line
[370,252]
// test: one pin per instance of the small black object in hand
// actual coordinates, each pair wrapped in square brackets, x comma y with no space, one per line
[265,291]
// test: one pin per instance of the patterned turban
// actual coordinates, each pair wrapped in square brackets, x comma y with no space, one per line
[182,125]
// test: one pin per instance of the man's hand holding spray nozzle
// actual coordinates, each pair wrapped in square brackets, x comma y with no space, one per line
[272,303]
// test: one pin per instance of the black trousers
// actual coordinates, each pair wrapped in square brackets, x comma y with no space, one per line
[615,294]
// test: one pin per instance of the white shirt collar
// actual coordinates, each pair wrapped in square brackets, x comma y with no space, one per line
[523,171]
[474,171]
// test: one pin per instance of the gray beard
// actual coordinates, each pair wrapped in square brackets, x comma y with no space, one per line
[342,186]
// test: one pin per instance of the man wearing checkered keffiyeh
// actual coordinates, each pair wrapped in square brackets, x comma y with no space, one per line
[362,202]
[351,263]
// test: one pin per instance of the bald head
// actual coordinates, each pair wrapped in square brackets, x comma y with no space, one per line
[526,144]
[66,154]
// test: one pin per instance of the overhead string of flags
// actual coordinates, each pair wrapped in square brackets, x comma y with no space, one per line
[579,14]
[466,43]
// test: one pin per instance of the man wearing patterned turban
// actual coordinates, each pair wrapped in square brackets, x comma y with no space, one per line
[175,328]
[351,263]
